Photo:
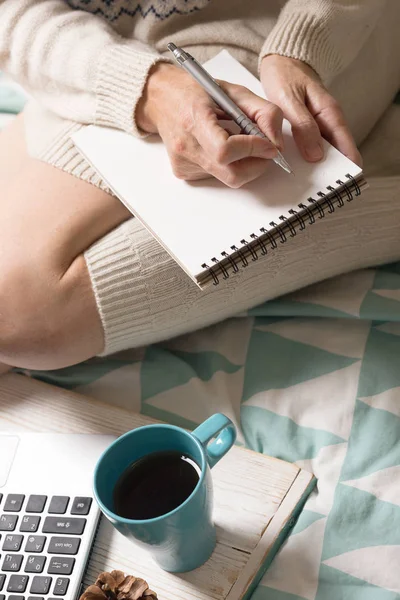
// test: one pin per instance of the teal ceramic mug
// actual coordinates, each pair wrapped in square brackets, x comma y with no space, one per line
[183,539]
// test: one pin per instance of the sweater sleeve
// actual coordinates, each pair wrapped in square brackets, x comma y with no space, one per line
[326,34]
[73,62]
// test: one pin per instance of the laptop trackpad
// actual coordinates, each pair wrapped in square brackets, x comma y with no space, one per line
[8,449]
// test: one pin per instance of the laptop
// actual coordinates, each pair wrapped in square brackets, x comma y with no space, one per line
[48,516]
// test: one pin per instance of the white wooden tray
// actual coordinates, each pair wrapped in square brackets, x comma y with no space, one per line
[257,498]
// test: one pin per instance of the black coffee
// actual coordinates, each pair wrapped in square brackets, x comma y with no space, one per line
[155,484]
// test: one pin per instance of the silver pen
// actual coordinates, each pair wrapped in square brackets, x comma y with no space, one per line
[187,62]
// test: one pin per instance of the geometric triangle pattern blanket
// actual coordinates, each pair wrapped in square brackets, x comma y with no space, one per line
[312,378]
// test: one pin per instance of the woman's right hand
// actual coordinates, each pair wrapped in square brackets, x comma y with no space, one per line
[188,121]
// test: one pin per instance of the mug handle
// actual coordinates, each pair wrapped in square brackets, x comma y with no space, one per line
[220,427]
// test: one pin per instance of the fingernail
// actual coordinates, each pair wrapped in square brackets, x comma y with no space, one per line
[315,152]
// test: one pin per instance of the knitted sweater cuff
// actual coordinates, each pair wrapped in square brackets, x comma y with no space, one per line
[122,76]
[305,37]
[119,288]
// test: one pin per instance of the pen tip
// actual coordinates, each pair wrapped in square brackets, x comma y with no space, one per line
[287,169]
[282,163]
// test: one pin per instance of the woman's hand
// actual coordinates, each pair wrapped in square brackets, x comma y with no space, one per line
[312,111]
[187,119]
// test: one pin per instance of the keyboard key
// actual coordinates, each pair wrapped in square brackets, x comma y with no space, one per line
[2,597]
[8,522]
[13,542]
[14,502]
[58,505]
[12,562]
[36,598]
[40,585]
[35,543]
[2,579]
[81,505]
[36,504]
[30,523]
[35,564]
[61,586]
[17,583]
[16,597]
[64,545]
[66,525]
[61,565]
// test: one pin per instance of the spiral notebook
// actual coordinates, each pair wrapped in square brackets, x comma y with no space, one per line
[213,231]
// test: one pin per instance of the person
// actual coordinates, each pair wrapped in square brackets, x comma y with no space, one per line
[79,276]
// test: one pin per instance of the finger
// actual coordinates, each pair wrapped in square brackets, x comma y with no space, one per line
[267,115]
[199,166]
[305,130]
[224,149]
[241,172]
[334,128]
[239,147]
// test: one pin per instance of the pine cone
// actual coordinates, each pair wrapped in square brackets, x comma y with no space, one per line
[118,586]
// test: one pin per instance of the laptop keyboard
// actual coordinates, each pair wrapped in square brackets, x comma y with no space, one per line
[40,539]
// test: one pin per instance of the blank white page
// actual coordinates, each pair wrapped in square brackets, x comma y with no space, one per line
[197,221]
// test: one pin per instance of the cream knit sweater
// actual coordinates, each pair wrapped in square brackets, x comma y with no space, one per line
[86,61]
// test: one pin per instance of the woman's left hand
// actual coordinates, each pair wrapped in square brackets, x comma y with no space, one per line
[307,105]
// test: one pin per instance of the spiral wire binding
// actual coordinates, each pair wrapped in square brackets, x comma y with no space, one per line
[297,221]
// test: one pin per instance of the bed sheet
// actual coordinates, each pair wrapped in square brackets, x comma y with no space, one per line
[313,378]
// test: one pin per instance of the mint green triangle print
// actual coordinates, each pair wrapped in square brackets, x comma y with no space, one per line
[285,307]
[265,593]
[160,414]
[164,369]
[377,307]
[390,267]
[374,443]
[274,362]
[306,518]
[380,369]
[269,433]
[358,520]
[81,374]
[387,280]
[336,585]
